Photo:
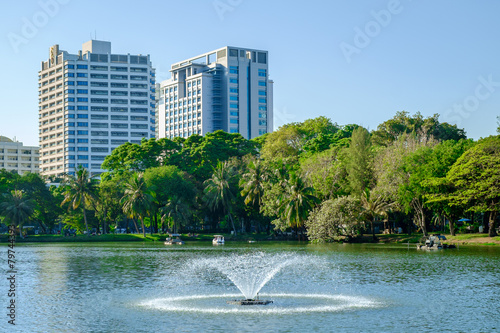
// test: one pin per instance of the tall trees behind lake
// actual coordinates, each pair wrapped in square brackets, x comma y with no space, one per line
[314,178]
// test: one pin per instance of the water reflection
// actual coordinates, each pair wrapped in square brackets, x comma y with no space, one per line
[128,287]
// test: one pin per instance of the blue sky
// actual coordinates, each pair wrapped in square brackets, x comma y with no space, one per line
[351,61]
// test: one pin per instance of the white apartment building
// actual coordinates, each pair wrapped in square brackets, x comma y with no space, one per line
[227,89]
[90,103]
[15,156]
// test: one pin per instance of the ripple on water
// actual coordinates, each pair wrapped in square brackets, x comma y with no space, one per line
[282,304]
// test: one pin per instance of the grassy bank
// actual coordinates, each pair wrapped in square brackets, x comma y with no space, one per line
[462,239]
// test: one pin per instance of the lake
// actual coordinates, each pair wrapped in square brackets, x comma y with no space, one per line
[146,287]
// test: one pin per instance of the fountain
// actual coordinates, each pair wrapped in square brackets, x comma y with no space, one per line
[250,272]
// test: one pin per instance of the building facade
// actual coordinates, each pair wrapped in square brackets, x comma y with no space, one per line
[14,156]
[90,103]
[227,89]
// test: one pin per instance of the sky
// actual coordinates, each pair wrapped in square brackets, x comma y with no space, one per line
[355,62]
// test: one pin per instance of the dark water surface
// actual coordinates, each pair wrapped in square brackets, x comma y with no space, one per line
[141,287]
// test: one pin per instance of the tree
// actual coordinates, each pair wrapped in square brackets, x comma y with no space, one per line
[80,191]
[252,183]
[334,218]
[296,202]
[476,177]
[177,210]
[17,208]
[359,162]
[403,123]
[374,206]
[219,192]
[137,199]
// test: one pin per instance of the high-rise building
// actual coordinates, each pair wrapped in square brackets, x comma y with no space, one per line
[227,89]
[14,156]
[90,103]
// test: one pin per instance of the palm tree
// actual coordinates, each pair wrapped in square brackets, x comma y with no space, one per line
[218,190]
[252,183]
[138,199]
[176,209]
[297,201]
[17,208]
[81,191]
[374,207]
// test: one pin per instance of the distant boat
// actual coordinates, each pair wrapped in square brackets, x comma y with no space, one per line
[174,239]
[218,240]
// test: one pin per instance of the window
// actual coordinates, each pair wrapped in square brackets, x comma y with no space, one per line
[99,133]
[233,105]
[262,100]
[83,124]
[119,77]
[82,83]
[99,100]
[119,125]
[98,76]
[82,116]
[99,141]
[82,91]
[98,92]
[82,133]
[233,80]
[69,91]
[82,107]
[262,93]
[234,113]
[233,90]
[138,110]
[68,66]
[69,75]
[82,99]
[119,117]
[138,77]
[262,72]
[82,157]
[81,74]
[262,83]
[99,125]
[119,101]
[233,98]
[83,148]
[99,116]
[99,149]
[119,93]
[98,84]
[262,108]
[99,68]
[138,85]
[119,85]
[81,66]
[138,93]
[233,69]
[118,69]
[99,108]
[233,121]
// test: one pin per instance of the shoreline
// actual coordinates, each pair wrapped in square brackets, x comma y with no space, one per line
[461,239]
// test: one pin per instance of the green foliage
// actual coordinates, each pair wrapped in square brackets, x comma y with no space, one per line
[17,208]
[430,127]
[359,162]
[334,218]
[138,199]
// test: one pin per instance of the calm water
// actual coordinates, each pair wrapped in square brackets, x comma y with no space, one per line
[130,287]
